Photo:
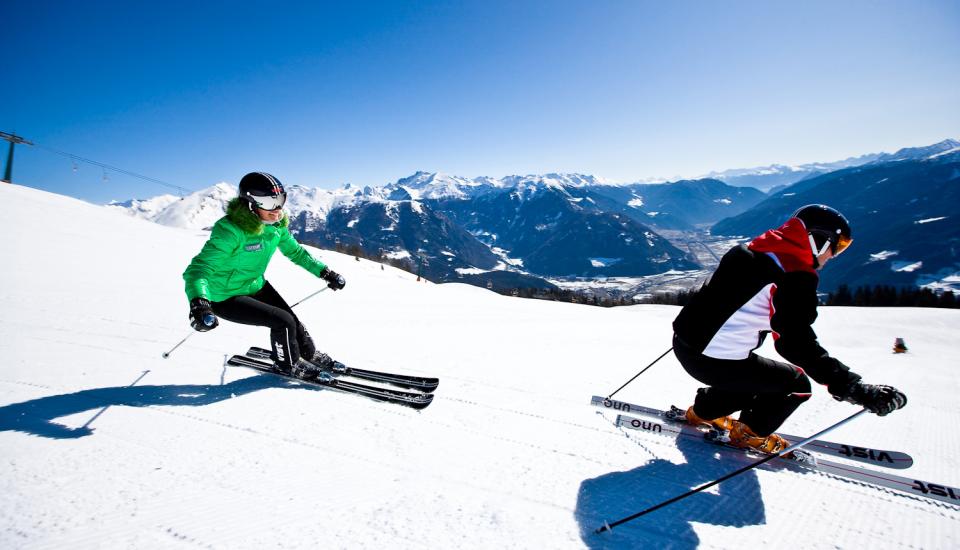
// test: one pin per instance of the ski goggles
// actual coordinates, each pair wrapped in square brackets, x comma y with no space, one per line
[836,243]
[269,203]
[841,244]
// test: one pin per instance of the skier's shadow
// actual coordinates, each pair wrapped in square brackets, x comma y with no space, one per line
[736,502]
[37,416]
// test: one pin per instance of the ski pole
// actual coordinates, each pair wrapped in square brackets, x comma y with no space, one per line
[208,320]
[310,296]
[166,354]
[609,526]
[641,372]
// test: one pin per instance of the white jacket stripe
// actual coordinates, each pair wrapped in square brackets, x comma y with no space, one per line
[740,333]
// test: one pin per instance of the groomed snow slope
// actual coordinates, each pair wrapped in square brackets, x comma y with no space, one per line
[105,444]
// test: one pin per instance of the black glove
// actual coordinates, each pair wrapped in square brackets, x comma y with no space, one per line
[882,400]
[334,280]
[202,318]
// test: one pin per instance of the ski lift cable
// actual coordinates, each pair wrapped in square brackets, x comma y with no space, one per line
[114,168]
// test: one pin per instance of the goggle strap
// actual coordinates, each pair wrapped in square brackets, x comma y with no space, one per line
[813,245]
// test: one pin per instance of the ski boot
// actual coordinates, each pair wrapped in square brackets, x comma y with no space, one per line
[743,437]
[305,370]
[325,362]
[724,423]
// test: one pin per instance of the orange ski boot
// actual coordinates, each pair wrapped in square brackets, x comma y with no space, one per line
[743,437]
[724,423]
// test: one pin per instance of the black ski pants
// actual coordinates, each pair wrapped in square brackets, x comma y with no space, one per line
[288,337]
[765,391]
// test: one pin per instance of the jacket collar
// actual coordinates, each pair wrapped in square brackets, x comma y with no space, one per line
[790,245]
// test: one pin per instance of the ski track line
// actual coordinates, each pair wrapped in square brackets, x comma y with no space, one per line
[298,442]
[116,351]
[559,452]
[485,383]
[521,443]
[29,384]
[518,412]
[80,332]
[109,335]
[363,458]
[393,411]
[158,507]
[152,506]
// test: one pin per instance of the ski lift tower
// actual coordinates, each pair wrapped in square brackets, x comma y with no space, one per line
[13,139]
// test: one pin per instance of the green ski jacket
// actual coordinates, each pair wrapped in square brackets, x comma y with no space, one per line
[234,258]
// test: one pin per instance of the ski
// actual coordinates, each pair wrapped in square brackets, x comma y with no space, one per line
[427,385]
[887,459]
[875,478]
[408,399]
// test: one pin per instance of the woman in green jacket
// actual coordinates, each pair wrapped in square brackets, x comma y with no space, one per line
[226,278]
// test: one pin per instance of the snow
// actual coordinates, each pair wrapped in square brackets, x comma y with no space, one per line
[144,208]
[471,270]
[941,281]
[199,210]
[106,444]
[504,255]
[883,255]
[907,266]
[436,185]
[604,262]
[944,153]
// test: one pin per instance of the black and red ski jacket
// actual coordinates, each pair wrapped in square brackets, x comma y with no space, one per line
[767,286]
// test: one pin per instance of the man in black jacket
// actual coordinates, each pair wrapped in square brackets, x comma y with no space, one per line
[768,286]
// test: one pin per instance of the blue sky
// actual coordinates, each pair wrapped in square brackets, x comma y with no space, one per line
[321,94]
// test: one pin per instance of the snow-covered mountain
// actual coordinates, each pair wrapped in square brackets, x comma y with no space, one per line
[903,214]
[197,210]
[416,218]
[556,230]
[200,209]
[769,177]
[535,227]
[107,445]
[946,150]
[430,185]
[772,176]
[439,186]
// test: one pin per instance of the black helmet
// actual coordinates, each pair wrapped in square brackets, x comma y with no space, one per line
[825,226]
[262,190]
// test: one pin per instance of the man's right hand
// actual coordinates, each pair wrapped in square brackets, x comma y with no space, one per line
[202,317]
[881,400]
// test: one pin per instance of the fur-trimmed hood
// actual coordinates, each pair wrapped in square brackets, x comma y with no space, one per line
[238,212]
